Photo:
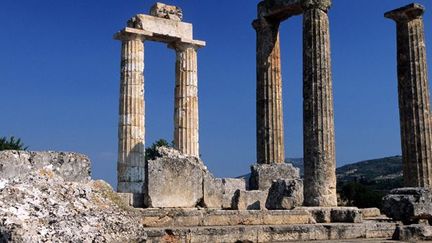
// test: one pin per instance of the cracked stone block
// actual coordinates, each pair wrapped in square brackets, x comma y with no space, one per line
[413,233]
[213,192]
[174,181]
[409,205]
[263,175]
[250,200]
[285,194]
[230,186]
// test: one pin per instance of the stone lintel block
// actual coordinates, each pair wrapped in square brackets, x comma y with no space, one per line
[406,13]
[250,200]
[263,175]
[409,204]
[285,194]
[174,181]
[413,233]
[334,214]
[279,9]
[213,192]
[161,26]
[230,186]
[135,200]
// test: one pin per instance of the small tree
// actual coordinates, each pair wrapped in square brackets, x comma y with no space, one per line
[151,152]
[359,195]
[11,144]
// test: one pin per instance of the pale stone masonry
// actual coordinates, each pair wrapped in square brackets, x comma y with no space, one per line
[131,130]
[270,130]
[414,101]
[186,138]
[318,118]
[164,26]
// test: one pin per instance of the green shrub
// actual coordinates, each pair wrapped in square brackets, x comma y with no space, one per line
[11,144]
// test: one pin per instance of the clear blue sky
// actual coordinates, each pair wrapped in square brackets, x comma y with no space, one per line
[60,79]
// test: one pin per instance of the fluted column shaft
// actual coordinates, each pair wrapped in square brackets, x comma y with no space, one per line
[414,102]
[186,120]
[319,137]
[269,110]
[131,129]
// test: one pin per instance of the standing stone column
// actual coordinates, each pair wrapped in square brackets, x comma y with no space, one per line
[186,120]
[318,127]
[131,153]
[270,130]
[414,103]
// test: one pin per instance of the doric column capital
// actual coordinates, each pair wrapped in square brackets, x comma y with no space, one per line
[407,13]
[319,4]
[182,46]
[126,36]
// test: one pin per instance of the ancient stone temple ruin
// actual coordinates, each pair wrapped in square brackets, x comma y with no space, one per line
[275,203]
[163,25]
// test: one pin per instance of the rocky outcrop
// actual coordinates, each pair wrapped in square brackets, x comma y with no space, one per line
[48,196]
[69,166]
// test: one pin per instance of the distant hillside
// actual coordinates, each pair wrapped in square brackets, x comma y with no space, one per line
[384,169]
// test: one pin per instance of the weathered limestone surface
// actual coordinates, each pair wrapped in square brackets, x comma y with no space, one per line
[413,233]
[70,166]
[186,100]
[334,214]
[285,194]
[230,186]
[270,131]
[210,217]
[318,118]
[263,175]
[414,100]
[409,205]
[39,205]
[131,130]
[370,212]
[166,11]
[174,180]
[213,191]
[250,200]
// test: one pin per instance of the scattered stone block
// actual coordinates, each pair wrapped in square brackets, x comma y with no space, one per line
[250,200]
[174,181]
[263,175]
[370,212]
[230,186]
[345,215]
[213,192]
[413,233]
[409,205]
[70,166]
[285,194]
